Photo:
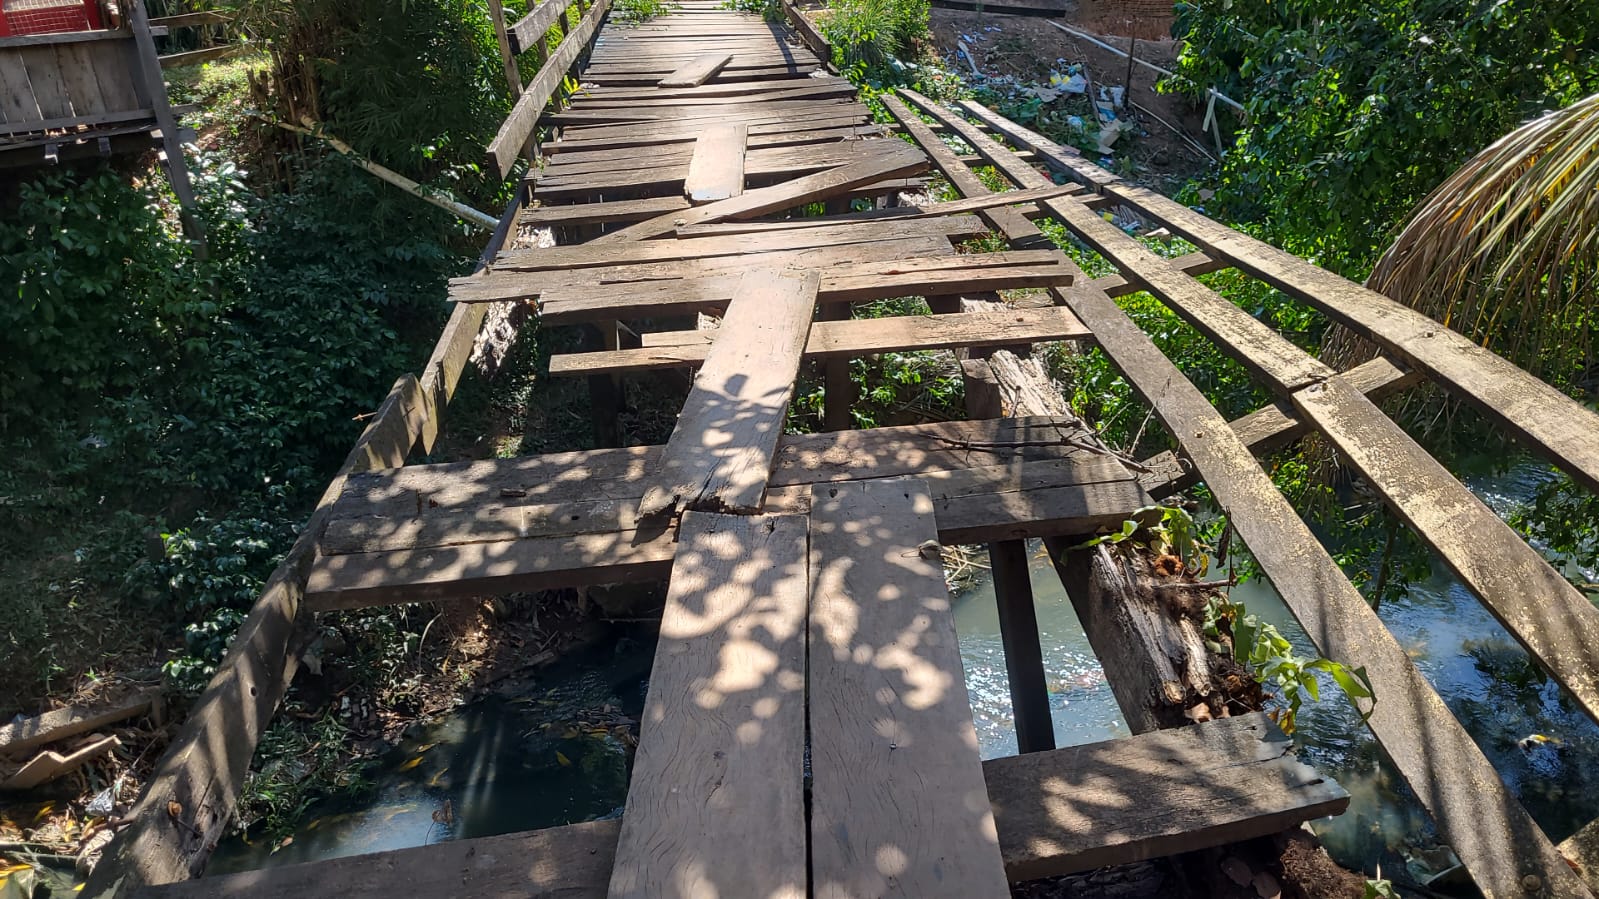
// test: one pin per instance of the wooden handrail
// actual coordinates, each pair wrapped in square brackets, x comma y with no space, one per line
[518,126]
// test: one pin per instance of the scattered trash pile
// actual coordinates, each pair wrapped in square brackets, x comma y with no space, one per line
[1092,116]
[63,787]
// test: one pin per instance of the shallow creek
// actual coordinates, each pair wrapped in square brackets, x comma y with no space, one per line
[552,757]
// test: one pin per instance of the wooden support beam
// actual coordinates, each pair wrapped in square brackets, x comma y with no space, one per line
[1546,419]
[1493,835]
[518,127]
[850,339]
[723,730]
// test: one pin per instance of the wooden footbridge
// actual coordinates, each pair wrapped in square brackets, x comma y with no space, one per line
[807,729]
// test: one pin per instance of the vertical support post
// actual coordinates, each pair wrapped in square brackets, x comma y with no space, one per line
[838,390]
[605,391]
[1024,654]
[1013,593]
[513,77]
[147,72]
[1132,53]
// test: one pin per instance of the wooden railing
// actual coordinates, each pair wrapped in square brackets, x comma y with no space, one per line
[195,20]
[529,35]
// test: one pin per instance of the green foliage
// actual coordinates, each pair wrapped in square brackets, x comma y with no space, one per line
[416,86]
[1356,113]
[770,10]
[303,763]
[1163,531]
[634,11]
[1268,654]
[868,36]
[1562,519]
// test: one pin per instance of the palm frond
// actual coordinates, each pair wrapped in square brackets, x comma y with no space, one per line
[1507,249]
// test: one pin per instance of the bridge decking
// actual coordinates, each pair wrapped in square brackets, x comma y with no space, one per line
[807,730]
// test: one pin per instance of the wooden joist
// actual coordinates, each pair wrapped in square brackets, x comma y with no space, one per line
[898,803]
[720,452]
[850,338]
[723,730]
[1548,420]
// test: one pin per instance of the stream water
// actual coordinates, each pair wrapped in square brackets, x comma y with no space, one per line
[550,758]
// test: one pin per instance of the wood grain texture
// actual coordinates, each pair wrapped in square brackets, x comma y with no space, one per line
[720,453]
[1160,793]
[898,803]
[716,170]
[716,805]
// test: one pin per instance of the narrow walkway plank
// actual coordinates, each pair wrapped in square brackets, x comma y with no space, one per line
[716,170]
[720,454]
[848,338]
[898,802]
[716,805]
[697,71]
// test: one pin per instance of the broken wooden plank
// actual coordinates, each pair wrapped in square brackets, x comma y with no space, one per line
[47,766]
[723,730]
[600,213]
[900,213]
[898,802]
[21,737]
[720,453]
[850,338]
[716,170]
[697,71]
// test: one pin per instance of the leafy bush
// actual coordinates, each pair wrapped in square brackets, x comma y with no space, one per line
[870,33]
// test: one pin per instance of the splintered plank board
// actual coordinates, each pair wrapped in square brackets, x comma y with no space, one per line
[716,170]
[720,453]
[723,733]
[898,802]
[698,71]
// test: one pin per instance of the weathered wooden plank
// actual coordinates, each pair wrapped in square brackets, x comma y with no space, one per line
[723,730]
[1539,607]
[535,284]
[904,213]
[850,338]
[207,54]
[601,213]
[518,126]
[20,737]
[531,28]
[77,71]
[1542,416]
[1233,779]
[1489,830]
[697,71]
[966,496]
[716,170]
[1155,794]
[898,803]
[44,73]
[841,282]
[787,195]
[720,453]
[17,103]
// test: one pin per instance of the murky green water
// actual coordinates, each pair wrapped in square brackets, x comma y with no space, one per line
[552,757]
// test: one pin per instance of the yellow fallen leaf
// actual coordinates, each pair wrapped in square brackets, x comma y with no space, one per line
[79,887]
[8,871]
[315,823]
[438,778]
[45,809]
[411,764]
[425,747]
[560,757]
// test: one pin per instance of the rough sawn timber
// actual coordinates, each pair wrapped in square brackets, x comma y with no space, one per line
[720,454]
[716,803]
[898,802]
